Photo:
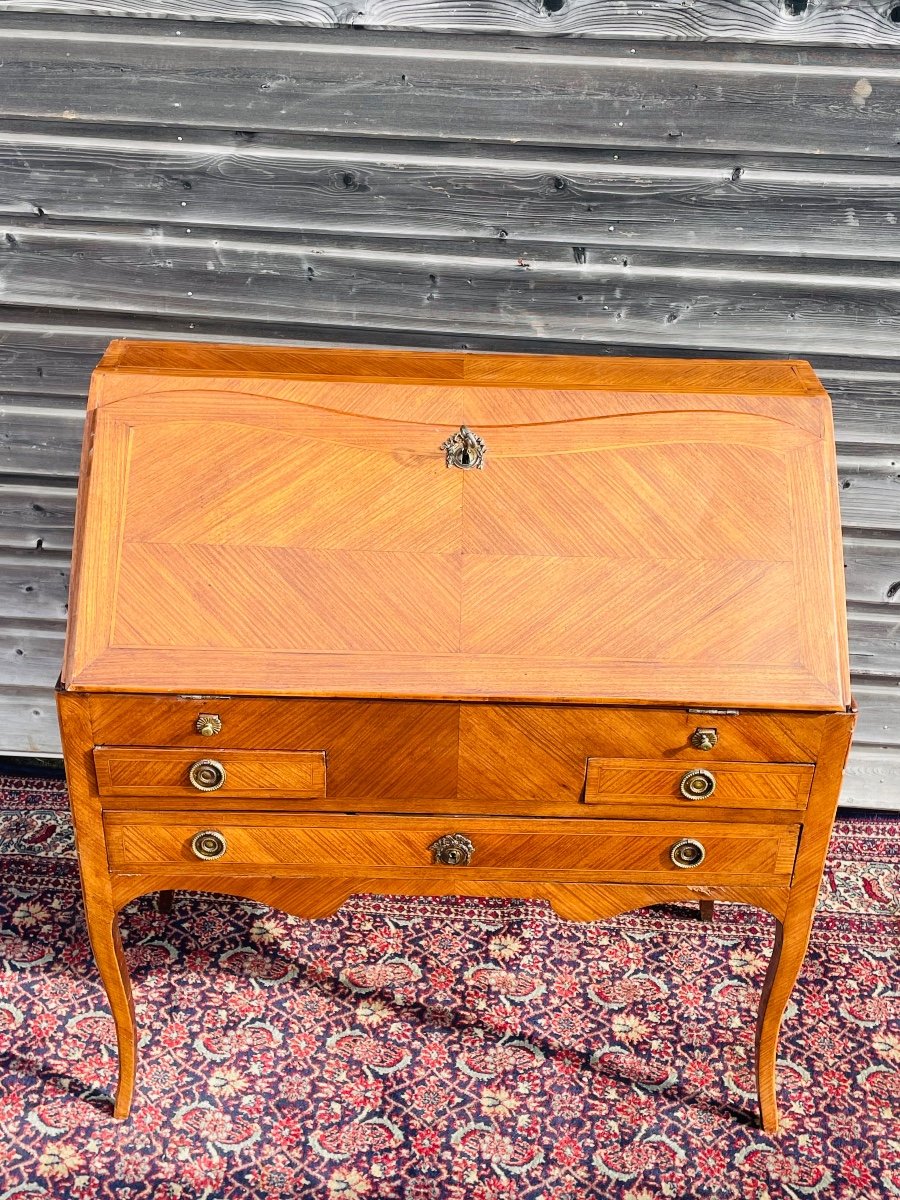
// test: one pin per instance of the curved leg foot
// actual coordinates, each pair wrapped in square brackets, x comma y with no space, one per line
[791,940]
[707,910]
[164,902]
[103,930]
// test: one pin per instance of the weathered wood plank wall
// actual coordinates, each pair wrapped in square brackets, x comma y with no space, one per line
[690,179]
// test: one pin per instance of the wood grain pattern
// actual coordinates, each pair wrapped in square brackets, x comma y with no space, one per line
[376,750]
[738,785]
[293,185]
[516,732]
[765,98]
[125,771]
[588,293]
[793,930]
[322,534]
[96,887]
[827,22]
[313,896]
[422,601]
[617,851]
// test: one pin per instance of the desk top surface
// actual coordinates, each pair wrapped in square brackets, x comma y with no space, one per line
[259,520]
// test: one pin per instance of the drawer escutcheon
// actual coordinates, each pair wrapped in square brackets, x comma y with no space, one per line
[453,850]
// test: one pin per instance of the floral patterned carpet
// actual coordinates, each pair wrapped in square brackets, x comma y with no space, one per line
[442,1049]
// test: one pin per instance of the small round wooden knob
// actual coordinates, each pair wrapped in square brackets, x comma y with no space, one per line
[207,775]
[453,850]
[208,844]
[688,853]
[697,783]
[208,724]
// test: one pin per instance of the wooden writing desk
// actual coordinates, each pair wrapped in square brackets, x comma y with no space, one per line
[352,621]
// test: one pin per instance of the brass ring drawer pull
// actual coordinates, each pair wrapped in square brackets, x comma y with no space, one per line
[697,784]
[208,844]
[207,775]
[453,850]
[687,853]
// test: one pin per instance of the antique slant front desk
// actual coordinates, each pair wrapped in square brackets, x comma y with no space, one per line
[427,623]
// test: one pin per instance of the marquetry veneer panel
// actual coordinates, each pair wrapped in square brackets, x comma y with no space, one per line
[608,850]
[124,771]
[411,750]
[741,785]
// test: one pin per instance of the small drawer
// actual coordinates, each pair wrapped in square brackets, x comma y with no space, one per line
[616,781]
[587,851]
[127,771]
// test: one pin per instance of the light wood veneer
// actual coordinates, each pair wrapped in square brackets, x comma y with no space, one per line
[643,582]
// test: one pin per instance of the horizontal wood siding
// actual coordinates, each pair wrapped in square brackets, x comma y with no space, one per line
[419,183]
[804,22]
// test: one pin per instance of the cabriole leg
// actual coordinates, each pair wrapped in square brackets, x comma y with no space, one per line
[791,940]
[103,931]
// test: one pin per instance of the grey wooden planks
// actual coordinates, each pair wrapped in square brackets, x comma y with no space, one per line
[860,22]
[540,290]
[509,90]
[665,199]
[589,194]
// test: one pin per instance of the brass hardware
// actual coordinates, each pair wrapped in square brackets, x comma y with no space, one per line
[207,775]
[208,844]
[697,784]
[453,850]
[717,712]
[208,724]
[687,853]
[704,739]
[465,450]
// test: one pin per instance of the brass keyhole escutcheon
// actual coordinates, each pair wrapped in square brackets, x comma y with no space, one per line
[464,450]
[208,724]
[453,850]
[207,775]
[208,844]
[697,784]
[687,853]
[704,739]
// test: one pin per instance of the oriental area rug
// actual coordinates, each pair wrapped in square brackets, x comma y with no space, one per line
[441,1049]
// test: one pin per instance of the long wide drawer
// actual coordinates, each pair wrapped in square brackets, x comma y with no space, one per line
[614,781]
[591,850]
[129,771]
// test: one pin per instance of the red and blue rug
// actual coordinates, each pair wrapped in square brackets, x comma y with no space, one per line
[442,1049]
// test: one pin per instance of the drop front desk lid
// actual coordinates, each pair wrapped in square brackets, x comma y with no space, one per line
[260,520]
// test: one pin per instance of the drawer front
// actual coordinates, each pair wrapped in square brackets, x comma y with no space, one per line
[379,749]
[602,851]
[722,785]
[531,752]
[127,771]
[480,754]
